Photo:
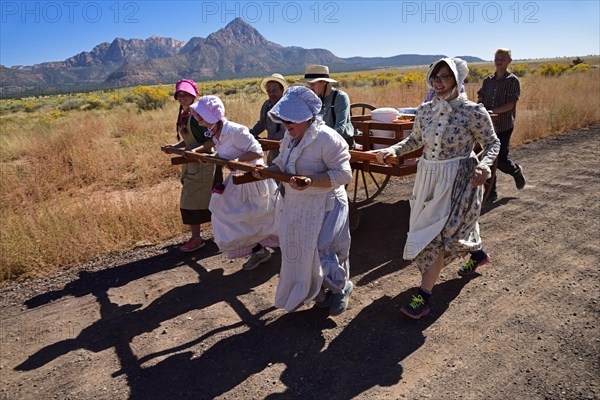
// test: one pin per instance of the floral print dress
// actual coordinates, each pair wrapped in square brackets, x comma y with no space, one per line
[444,205]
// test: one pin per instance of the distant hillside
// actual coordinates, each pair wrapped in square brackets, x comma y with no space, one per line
[235,51]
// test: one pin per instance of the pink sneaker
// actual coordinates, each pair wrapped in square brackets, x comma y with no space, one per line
[192,245]
[218,189]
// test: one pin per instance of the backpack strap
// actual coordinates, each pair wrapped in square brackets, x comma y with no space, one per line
[177,123]
[335,92]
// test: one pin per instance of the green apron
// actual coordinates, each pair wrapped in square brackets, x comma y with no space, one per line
[197,178]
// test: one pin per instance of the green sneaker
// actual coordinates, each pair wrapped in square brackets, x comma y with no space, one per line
[416,308]
[471,266]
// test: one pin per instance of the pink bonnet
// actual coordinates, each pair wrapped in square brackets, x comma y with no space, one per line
[186,85]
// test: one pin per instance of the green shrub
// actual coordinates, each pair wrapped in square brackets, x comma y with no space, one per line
[553,69]
[95,103]
[149,98]
[579,68]
[72,105]
[31,105]
[519,69]
[476,74]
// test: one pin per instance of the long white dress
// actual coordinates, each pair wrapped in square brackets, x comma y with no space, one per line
[243,215]
[314,227]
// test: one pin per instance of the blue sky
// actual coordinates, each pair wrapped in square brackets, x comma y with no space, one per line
[32,32]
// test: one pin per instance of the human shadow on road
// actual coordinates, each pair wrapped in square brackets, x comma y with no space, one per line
[488,207]
[123,274]
[367,353]
[118,325]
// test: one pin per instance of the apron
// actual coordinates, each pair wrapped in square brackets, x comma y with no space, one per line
[196,177]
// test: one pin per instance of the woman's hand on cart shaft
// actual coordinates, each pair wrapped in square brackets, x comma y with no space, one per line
[383,154]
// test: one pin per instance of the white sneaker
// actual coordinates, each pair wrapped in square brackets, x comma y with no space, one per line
[256,259]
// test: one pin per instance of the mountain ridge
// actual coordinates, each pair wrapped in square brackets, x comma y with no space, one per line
[236,51]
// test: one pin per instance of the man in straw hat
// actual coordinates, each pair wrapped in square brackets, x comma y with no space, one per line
[273,86]
[336,103]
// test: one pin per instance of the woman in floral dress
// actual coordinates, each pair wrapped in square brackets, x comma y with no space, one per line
[448,191]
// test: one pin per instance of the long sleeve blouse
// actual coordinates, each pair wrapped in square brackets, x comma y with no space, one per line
[336,113]
[320,150]
[235,141]
[450,129]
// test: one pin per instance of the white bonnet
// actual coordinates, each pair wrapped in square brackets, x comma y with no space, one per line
[210,108]
[298,104]
[458,66]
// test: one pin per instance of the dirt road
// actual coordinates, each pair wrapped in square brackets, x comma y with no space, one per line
[158,324]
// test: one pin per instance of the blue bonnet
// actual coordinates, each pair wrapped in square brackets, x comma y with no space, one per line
[298,104]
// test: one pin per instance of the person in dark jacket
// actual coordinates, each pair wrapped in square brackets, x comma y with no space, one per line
[273,86]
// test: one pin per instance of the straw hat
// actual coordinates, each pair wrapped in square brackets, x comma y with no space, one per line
[273,78]
[314,73]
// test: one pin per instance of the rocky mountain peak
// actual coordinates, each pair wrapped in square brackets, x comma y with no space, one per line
[237,33]
[127,50]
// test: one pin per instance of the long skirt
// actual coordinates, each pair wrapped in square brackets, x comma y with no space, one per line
[315,246]
[444,211]
[244,215]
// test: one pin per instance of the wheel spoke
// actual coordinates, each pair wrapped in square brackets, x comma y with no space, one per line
[367,186]
[375,181]
[355,180]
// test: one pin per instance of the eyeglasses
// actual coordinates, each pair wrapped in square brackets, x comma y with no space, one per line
[441,78]
[287,122]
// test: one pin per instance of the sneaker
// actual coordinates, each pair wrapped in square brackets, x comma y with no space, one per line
[339,301]
[416,308]
[192,245]
[256,259]
[325,302]
[218,189]
[492,197]
[519,178]
[471,266]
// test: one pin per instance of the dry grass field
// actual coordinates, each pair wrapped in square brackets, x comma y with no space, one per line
[78,183]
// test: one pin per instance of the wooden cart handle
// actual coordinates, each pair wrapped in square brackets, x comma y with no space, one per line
[190,156]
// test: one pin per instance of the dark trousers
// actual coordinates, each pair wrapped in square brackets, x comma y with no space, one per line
[505,164]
